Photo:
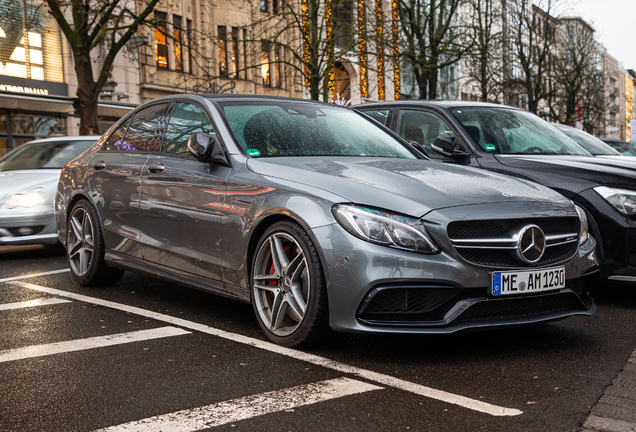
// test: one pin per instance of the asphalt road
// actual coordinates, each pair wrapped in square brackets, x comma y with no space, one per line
[148,350]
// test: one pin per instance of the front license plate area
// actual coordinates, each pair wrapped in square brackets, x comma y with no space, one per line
[522,282]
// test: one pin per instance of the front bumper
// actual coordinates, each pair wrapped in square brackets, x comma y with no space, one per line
[28,228]
[357,271]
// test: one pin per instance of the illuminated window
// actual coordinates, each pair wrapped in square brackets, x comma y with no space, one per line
[265,64]
[235,53]
[161,48]
[29,42]
[222,51]
[277,67]
[178,54]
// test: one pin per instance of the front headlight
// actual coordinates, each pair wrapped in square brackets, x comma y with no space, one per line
[388,229]
[32,198]
[623,200]
[584,228]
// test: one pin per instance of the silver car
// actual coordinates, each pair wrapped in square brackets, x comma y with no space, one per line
[321,219]
[28,181]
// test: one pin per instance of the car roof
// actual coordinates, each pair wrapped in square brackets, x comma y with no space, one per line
[228,97]
[439,103]
[65,139]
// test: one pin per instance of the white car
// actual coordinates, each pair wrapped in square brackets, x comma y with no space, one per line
[28,180]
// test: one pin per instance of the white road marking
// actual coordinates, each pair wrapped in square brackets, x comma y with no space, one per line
[221,413]
[32,303]
[15,278]
[387,380]
[89,343]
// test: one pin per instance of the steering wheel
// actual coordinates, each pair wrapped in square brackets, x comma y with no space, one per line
[533,149]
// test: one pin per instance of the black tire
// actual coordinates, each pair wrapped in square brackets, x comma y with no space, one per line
[85,248]
[299,289]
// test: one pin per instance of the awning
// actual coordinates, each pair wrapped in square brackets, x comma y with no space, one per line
[113,110]
[48,104]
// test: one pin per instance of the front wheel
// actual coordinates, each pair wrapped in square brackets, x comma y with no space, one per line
[288,287]
[85,248]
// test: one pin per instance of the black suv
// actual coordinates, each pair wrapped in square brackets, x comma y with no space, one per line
[513,141]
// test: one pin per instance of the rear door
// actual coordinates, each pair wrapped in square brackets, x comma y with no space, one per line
[182,199]
[115,178]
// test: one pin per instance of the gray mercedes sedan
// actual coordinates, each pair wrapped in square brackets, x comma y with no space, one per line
[321,218]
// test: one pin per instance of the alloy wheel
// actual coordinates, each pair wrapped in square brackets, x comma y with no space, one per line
[80,243]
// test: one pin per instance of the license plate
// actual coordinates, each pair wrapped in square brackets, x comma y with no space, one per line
[520,282]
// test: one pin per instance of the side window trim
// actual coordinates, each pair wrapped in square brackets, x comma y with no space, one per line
[204,110]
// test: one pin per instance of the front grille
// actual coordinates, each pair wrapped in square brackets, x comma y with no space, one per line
[496,228]
[520,307]
[491,243]
[406,300]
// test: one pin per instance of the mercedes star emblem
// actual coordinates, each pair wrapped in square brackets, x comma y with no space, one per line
[530,244]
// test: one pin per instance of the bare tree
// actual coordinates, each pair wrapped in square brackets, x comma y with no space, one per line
[529,44]
[432,39]
[577,76]
[86,24]
[484,22]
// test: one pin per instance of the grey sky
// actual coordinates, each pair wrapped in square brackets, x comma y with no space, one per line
[615,24]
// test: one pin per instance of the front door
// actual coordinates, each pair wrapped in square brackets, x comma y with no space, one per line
[182,200]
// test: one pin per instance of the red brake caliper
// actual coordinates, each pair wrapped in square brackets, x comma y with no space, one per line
[272,269]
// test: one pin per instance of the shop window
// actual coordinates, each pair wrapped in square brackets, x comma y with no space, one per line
[222,31]
[265,64]
[177,35]
[161,47]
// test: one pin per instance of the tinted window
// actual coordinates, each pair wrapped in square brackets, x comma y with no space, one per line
[116,140]
[508,131]
[589,142]
[422,127]
[186,119]
[298,129]
[46,155]
[381,116]
[142,134]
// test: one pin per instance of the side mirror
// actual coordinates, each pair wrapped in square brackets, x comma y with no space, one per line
[448,146]
[206,148]
[419,148]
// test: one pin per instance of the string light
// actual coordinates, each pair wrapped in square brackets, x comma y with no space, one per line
[329,25]
[396,52]
[305,30]
[362,50]
[380,57]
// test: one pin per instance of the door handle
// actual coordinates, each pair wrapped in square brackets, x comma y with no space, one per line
[156,167]
[99,165]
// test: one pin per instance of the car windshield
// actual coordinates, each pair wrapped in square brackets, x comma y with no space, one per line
[590,143]
[52,155]
[622,147]
[298,129]
[508,131]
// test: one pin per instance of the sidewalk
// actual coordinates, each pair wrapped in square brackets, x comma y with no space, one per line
[616,409]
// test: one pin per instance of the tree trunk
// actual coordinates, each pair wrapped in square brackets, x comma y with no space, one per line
[87,94]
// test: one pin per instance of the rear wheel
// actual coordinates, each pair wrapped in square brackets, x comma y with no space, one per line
[85,248]
[288,287]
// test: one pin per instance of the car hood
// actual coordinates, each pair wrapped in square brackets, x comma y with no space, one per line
[412,187]
[588,171]
[19,181]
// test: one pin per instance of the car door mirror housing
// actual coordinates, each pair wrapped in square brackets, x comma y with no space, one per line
[206,148]
[449,146]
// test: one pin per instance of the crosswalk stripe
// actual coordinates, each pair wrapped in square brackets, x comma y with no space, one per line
[89,343]
[380,378]
[221,413]
[32,303]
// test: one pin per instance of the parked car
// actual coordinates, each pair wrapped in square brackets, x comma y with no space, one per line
[506,140]
[319,217]
[28,181]
[623,147]
[589,142]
